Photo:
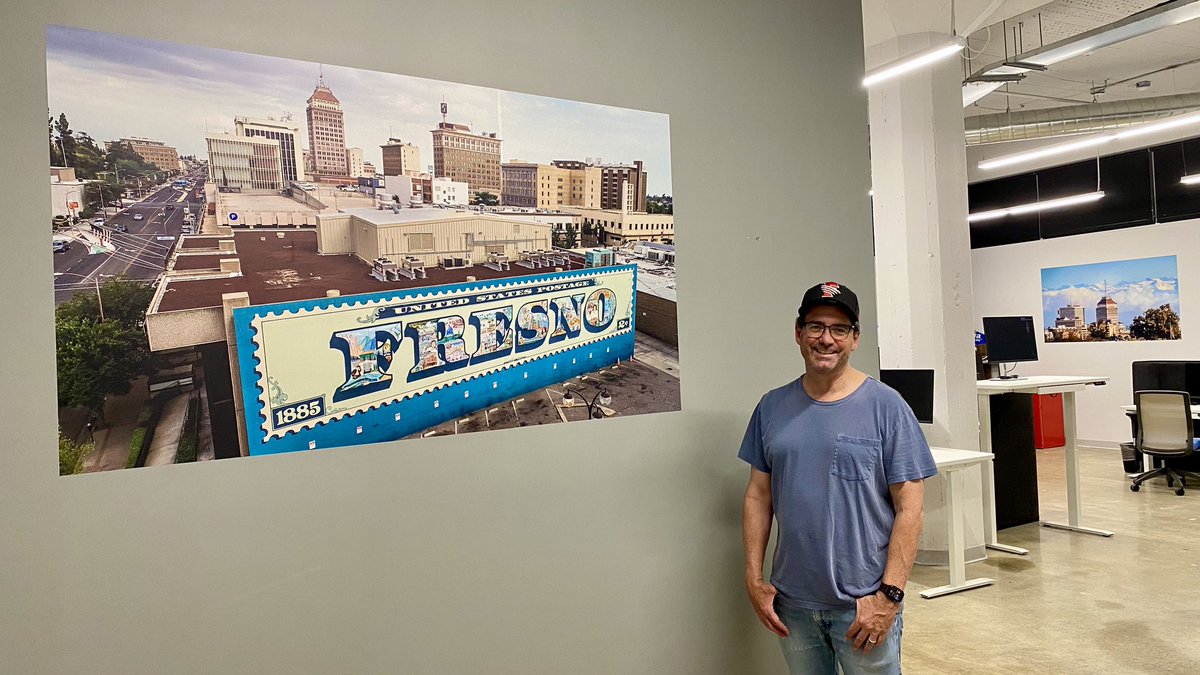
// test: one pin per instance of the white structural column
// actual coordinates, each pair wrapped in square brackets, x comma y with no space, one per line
[923,260]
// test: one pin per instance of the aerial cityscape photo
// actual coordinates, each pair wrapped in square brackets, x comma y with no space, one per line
[1122,300]
[256,255]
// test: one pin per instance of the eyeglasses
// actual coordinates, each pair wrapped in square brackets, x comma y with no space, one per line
[838,331]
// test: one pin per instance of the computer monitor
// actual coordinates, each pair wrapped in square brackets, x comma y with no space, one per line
[1191,378]
[1169,376]
[915,387]
[1010,339]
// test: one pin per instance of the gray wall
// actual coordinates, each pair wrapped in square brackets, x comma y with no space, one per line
[597,548]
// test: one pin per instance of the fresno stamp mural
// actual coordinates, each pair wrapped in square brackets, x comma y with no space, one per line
[397,363]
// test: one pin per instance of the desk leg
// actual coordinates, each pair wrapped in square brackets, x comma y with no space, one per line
[1074,506]
[989,481]
[958,563]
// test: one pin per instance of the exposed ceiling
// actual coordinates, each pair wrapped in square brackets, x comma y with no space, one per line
[1167,59]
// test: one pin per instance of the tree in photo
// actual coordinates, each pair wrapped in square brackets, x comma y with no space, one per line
[64,137]
[98,357]
[70,455]
[1156,323]
[487,199]
[124,300]
[95,359]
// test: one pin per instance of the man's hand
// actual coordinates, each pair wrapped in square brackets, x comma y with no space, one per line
[872,621]
[762,598]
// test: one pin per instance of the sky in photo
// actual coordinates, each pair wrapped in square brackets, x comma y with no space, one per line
[1135,285]
[116,86]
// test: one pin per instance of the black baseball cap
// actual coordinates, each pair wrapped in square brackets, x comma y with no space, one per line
[830,293]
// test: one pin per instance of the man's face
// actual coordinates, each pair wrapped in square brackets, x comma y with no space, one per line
[824,354]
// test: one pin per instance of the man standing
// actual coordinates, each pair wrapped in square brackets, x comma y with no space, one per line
[839,460]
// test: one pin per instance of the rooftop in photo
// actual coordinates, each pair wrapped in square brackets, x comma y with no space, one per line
[284,266]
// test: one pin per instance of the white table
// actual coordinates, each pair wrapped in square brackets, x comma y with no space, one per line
[1066,385]
[1147,460]
[950,463]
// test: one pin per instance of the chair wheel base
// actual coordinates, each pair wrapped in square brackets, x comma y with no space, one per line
[1179,492]
[1135,487]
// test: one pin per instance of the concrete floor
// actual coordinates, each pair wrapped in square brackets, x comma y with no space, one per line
[1077,603]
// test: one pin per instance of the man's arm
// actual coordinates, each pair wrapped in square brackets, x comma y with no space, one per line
[757,510]
[875,612]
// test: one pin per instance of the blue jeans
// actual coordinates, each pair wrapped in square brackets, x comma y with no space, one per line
[817,641]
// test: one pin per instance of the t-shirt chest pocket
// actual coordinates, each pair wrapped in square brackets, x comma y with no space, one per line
[855,458]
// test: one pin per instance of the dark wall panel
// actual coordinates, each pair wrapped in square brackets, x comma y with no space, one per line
[1141,187]
[1176,201]
[997,194]
[1128,196]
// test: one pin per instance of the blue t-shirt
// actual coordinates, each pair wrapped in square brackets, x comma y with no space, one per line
[830,465]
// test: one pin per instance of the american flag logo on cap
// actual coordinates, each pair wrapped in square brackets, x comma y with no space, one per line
[830,289]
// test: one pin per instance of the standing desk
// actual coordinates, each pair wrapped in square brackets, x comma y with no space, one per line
[1066,385]
[1131,412]
[951,462]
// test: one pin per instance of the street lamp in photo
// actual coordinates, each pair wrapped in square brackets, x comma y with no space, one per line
[602,397]
[96,282]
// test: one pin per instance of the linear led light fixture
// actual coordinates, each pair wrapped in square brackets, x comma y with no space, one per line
[1191,179]
[913,62]
[1048,151]
[999,77]
[1163,15]
[1025,65]
[1047,205]
[1071,146]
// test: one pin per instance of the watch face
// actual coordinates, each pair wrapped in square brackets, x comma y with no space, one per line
[893,593]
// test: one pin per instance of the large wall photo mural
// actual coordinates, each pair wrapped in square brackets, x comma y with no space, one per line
[256,255]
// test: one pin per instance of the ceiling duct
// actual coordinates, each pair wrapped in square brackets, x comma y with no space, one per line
[1076,119]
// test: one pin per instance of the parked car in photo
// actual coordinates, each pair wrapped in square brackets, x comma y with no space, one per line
[60,246]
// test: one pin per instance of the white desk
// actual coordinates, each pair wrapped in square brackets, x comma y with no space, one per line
[1131,410]
[950,463]
[1066,385]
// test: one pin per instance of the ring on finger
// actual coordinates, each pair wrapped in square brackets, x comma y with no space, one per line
[872,640]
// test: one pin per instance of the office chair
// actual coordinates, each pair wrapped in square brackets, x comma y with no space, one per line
[1164,431]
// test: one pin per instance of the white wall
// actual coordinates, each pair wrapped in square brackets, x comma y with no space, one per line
[1008,282]
[608,547]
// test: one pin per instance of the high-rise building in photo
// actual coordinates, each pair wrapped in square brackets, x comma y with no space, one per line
[1106,310]
[157,153]
[243,163]
[286,133]
[546,186]
[354,162]
[400,158]
[615,179]
[1070,316]
[470,158]
[621,186]
[326,132]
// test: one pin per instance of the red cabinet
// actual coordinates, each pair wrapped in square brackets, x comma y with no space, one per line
[1048,429]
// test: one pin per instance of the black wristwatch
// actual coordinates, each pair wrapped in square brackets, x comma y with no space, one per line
[893,593]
